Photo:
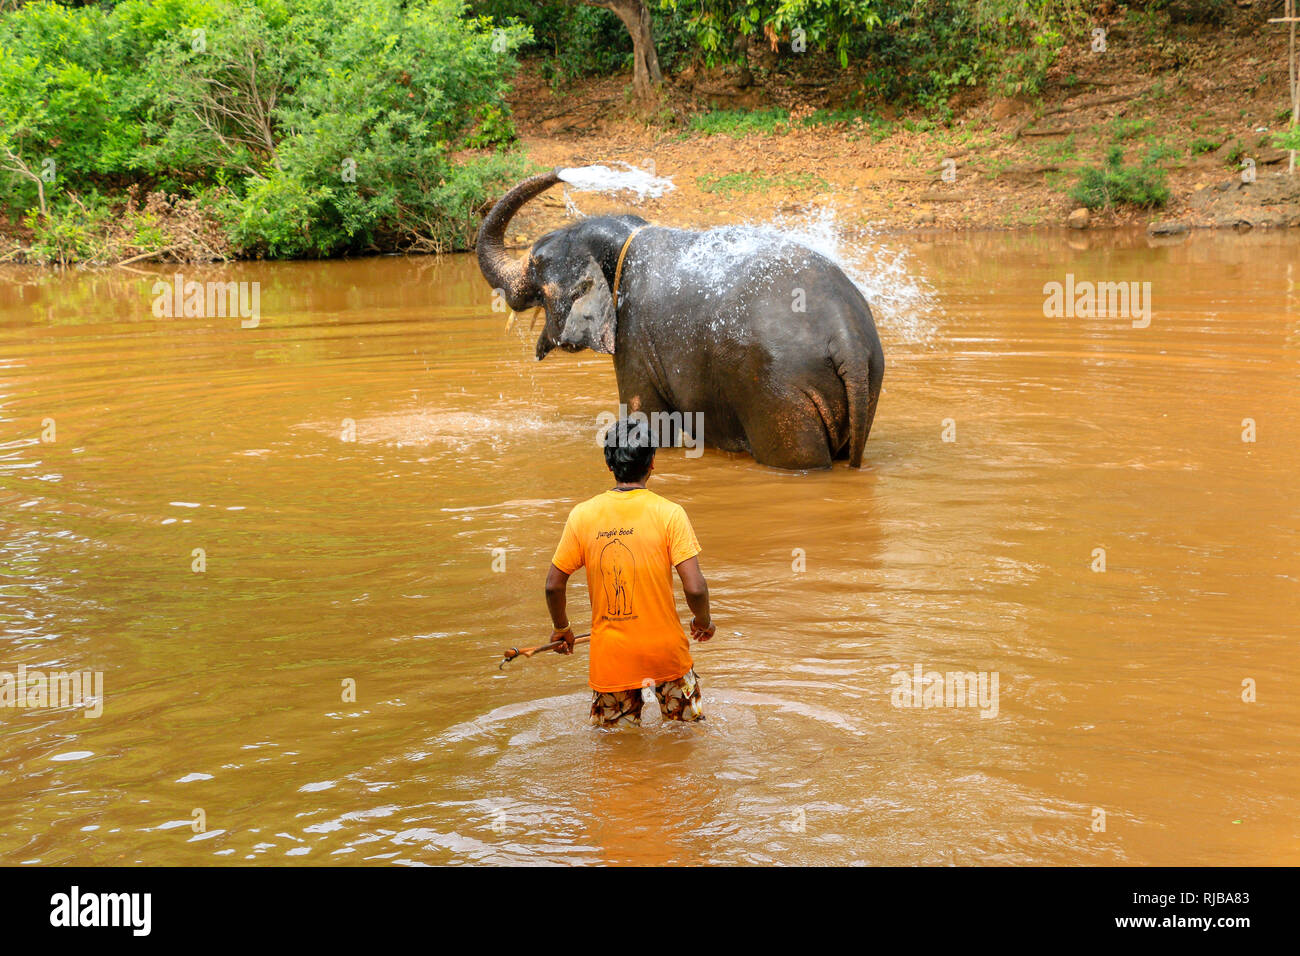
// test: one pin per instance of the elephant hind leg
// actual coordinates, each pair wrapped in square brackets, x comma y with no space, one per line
[793,438]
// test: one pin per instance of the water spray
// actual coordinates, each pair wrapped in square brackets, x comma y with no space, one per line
[603,179]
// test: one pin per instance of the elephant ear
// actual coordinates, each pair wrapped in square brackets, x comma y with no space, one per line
[592,322]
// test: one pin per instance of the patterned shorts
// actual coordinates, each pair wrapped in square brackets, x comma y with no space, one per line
[678,700]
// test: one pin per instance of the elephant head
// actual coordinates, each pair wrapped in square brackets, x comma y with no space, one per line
[564,274]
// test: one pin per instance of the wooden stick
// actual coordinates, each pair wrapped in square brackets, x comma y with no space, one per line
[514,652]
[149,254]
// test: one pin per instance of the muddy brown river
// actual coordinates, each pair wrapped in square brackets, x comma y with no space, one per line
[296,551]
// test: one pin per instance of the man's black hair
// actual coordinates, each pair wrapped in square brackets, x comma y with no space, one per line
[629,450]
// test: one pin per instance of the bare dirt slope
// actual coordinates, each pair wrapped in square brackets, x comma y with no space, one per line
[1204,100]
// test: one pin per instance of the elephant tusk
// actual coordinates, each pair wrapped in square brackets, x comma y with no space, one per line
[536,314]
[510,320]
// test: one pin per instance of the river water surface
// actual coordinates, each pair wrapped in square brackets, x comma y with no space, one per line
[408,559]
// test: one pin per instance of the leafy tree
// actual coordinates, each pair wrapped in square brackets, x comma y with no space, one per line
[1288,138]
[325,126]
[635,14]
[924,48]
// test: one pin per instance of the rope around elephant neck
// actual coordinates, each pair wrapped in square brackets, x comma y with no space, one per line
[622,254]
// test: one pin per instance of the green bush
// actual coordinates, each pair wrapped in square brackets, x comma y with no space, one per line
[1122,128]
[740,122]
[728,185]
[73,99]
[71,233]
[1114,184]
[1288,138]
[1157,152]
[495,129]
[921,51]
[576,40]
[928,49]
[324,126]
[855,123]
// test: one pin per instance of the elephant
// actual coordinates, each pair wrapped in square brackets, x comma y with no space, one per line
[616,573]
[704,323]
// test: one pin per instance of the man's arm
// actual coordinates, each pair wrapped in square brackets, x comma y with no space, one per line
[557,583]
[697,597]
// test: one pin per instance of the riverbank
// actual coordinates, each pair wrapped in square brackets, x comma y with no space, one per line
[1180,119]
[1202,105]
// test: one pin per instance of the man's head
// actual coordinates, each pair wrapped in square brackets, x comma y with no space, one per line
[629,450]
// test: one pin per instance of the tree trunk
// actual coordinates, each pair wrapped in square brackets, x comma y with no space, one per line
[1294,76]
[635,15]
[17,165]
[741,46]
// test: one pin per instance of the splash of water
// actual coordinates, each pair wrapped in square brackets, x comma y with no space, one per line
[901,299]
[571,207]
[603,179]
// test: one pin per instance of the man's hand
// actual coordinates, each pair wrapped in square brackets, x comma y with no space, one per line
[566,635]
[556,584]
[702,632]
[697,598]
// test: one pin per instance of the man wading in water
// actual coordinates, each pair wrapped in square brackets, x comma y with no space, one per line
[629,539]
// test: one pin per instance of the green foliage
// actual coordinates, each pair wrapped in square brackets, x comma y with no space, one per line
[495,128]
[71,233]
[835,117]
[575,39]
[333,124]
[1288,138]
[458,195]
[1209,12]
[714,25]
[855,121]
[1024,62]
[727,185]
[1114,184]
[1158,151]
[1203,144]
[1009,44]
[1122,128]
[1065,149]
[740,122]
[927,50]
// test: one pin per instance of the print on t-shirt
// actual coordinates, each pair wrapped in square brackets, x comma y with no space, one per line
[617,572]
[629,542]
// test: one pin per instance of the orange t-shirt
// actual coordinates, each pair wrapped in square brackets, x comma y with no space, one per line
[629,542]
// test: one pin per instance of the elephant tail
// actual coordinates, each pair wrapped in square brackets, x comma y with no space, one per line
[862,387]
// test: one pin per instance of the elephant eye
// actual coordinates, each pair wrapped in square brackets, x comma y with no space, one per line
[585,285]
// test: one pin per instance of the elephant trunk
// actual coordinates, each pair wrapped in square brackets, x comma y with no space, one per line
[499,270]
